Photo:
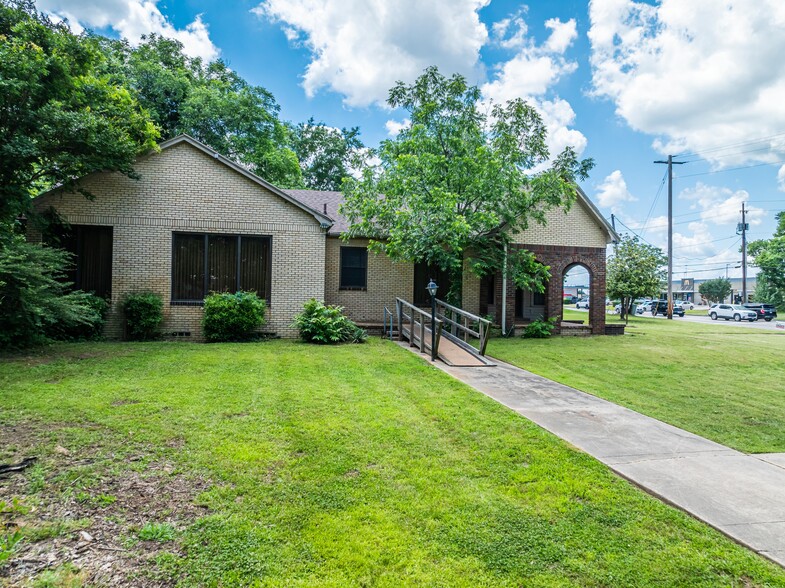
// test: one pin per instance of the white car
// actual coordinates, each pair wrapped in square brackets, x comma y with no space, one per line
[732,311]
[685,304]
[582,304]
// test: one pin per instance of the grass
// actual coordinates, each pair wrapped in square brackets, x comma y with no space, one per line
[723,383]
[351,466]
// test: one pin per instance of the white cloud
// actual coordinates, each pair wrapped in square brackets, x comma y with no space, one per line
[394,127]
[721,206]
[360,49]
[613,191]
[781,179]
[699,74]
[517,25]
[531,74]
[131,19]
[562,34]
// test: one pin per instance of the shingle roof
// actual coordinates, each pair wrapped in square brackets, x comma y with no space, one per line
[326,202]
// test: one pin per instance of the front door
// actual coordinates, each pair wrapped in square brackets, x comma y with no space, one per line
[422,274]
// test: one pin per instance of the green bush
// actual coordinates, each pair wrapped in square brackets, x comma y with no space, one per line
[143,316]
[35,304]
[232,317]
[325,324]
[82,331]
[539,329]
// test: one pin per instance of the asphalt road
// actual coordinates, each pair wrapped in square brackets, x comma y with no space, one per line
[759,324]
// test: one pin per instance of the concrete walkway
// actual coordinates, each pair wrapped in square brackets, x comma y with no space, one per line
[741,495]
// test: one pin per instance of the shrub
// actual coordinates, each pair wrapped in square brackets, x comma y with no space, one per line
[232,317]
[539,329]
[325,324]
[34,300]
[143,316]
[81,331]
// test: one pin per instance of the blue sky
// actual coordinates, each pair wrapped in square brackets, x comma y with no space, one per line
[624,81]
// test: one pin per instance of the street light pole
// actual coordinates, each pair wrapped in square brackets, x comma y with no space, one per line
[432,289]
[670,163]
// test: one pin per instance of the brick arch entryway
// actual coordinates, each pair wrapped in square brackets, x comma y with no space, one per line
[595,266]
[560,259]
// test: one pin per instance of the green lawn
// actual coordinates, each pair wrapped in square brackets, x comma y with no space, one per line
[724,383]
[316,466]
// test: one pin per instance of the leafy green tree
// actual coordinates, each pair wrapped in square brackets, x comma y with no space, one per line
[459,181]
[35,301]
[715,290]
[634,270]
[61,117]
[765,292]
[769,255]
[210,102]
[326,154]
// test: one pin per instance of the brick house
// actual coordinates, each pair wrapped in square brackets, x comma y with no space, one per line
[196,222]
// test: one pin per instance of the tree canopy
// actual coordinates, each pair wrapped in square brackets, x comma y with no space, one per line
[61,116]
[210,102]
[327,155]
[715,290]
[634,270]
[769,255]
[460,180]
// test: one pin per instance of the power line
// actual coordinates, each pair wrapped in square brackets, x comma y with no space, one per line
[730,145]
[720,171]
[653,204]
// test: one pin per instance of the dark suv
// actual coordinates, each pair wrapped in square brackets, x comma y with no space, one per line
[662,308]
[765,311]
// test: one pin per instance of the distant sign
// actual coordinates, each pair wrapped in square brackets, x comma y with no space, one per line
[688,284]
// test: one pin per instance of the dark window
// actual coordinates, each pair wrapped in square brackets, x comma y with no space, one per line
[219,263]
[354,268]
[92,248]
[538,298]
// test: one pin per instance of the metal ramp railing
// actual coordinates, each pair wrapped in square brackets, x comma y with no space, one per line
[451,347]
[465,323]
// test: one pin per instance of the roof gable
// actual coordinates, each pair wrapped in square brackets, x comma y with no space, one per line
[325,221]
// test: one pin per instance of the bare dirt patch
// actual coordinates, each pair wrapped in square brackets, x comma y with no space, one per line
[90,515]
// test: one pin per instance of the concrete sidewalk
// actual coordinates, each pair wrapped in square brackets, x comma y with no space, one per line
[741,495]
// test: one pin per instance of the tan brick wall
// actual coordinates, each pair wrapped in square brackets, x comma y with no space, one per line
[184,189]
[575,228]
[386,281]
[470,289]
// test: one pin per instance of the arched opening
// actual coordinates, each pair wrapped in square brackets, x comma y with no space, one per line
[577,288]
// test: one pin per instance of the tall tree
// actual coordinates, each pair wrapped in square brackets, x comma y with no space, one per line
[769,255]
[327,155]
[210,102]
[61,117]
[715,290]
[634,270]
[458,182]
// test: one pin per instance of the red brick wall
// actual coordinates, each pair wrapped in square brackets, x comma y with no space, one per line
[560,258]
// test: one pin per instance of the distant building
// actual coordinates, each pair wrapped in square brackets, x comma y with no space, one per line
[689,289]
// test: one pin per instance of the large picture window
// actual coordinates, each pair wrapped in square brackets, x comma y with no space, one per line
[354,268]
[92,249]
[204,263]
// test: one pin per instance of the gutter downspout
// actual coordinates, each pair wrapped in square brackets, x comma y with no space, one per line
[504,293]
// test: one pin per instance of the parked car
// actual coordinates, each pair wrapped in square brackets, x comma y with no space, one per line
[661,307]
[732,311]
[645,306]
[584,303]
[685,304]
[765,311]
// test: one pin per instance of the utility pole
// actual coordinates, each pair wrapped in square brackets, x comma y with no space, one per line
[743,226]
[670,163]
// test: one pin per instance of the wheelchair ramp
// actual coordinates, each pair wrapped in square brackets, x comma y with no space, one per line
[451,350]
